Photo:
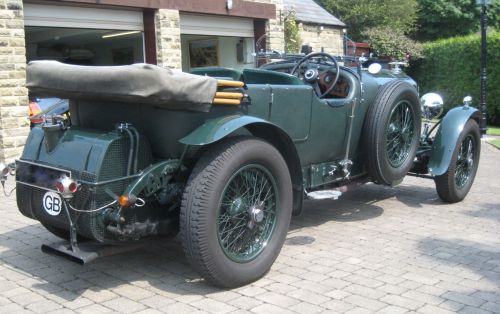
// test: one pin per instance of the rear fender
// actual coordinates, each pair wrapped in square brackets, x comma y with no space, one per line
[216,129]
[447,136]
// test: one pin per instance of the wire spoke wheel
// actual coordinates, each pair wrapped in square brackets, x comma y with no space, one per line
[453,185]
[236,210]
[465,162]
[391,132]
[247,214]
[399,134]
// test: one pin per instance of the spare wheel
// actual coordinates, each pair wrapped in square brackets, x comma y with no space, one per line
[392,131]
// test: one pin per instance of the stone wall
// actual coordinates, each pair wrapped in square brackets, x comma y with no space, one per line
[274,28]
[14,124]
[329,38]
[168,38]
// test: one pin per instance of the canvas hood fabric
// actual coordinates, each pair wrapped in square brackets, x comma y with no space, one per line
[136,83]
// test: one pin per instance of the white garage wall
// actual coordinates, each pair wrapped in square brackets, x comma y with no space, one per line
[227,51]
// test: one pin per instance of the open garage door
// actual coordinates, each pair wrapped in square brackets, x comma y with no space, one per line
[223,41]
[80,35]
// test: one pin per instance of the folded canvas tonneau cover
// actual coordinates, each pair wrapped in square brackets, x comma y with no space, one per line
[136,83]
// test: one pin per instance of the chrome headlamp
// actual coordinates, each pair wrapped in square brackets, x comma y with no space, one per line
[432,105]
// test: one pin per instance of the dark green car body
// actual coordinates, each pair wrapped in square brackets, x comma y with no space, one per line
[322,140]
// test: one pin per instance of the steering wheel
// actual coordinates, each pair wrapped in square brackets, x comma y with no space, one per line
[313,75]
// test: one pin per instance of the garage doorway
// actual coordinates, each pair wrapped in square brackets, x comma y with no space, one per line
[84,46]
[216,41]
[86,36]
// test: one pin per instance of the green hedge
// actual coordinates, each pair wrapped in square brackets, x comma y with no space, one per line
[451,67]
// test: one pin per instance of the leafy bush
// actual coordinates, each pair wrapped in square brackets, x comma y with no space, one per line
[293,41]
[389,42]
[451,67]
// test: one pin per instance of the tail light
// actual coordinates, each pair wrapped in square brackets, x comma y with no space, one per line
[66,186]
[34,109]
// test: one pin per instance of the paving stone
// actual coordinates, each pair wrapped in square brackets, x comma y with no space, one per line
[487,296]
[365,302]
[402,302]
[492,306]
[393,309]
[464,299]
[474,310]
[422,297]
[178,308]
[93,309]
[277,299]
[269,308]
[308,296]
[123,305]
[99,296]
[43,306]
[305,307]
[365,291]
[338,306]
[431,309]
[245,303]
[132,292]
[213,306]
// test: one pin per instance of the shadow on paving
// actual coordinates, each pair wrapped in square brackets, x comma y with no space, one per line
[477,258]
[360,204]
[162,263]
[487,210]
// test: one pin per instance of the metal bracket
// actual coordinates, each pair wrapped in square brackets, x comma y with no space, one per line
[345,168]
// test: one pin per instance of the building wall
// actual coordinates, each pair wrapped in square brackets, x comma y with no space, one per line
[168,38]
[330,38]
[14,125]
[274,28]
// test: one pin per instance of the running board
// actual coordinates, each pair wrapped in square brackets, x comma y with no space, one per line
[324,194]
[85,252]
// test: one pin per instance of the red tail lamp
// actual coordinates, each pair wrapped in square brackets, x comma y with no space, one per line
[66,186]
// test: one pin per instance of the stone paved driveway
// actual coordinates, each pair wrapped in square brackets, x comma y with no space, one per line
[392,250]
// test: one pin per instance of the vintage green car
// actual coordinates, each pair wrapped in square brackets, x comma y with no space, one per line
[223,157]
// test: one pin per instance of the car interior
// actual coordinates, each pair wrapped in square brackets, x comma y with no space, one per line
[280,75]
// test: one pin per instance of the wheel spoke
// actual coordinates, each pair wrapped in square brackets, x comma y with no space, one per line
[242,236]
[465,162]
[399,134]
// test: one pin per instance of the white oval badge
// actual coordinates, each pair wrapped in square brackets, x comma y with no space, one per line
[52,203]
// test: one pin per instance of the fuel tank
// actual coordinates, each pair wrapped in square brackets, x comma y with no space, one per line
[87,157]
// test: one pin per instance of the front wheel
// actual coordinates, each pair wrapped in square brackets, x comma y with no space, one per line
[455,183]
[235,211]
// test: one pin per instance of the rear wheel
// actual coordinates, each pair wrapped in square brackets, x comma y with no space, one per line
[455,183]
[235,211]
[392,132]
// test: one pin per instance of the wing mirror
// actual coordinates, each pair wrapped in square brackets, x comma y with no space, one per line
[432,105]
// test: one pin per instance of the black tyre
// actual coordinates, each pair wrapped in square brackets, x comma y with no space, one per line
[392,131]
[455,183]
[236,211]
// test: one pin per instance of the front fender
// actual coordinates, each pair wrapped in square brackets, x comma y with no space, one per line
[447,136]
[216,129]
